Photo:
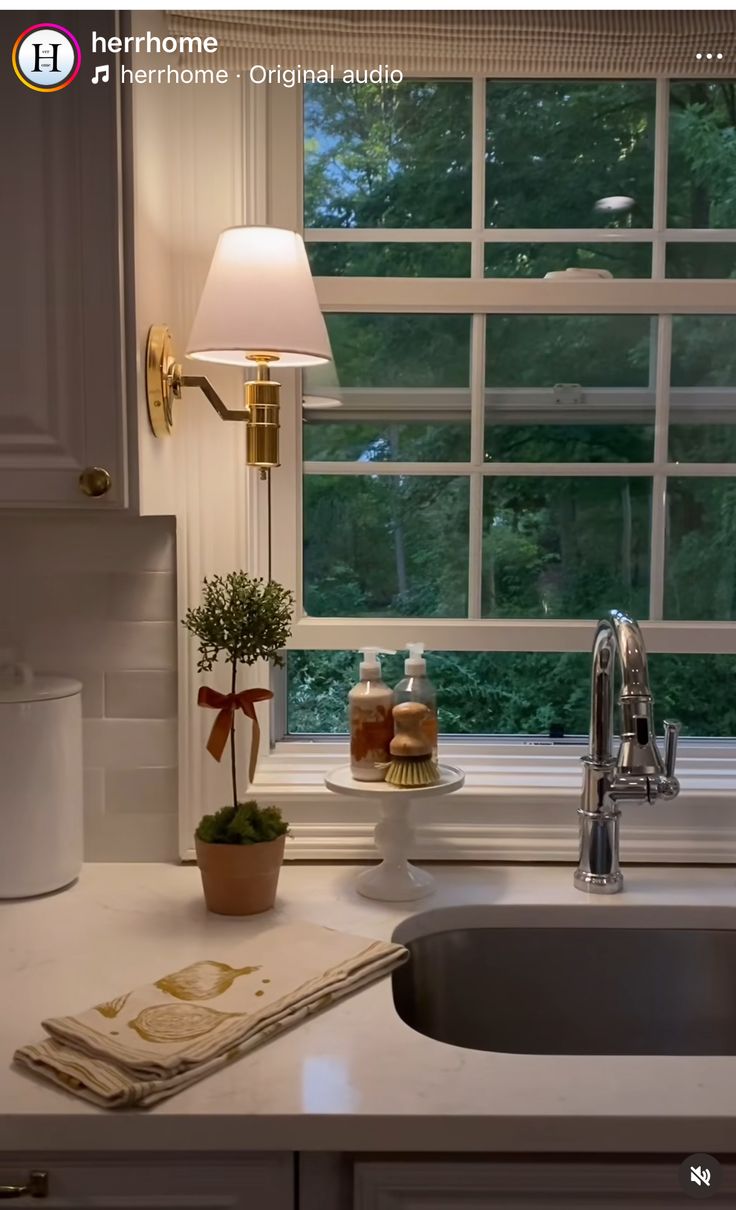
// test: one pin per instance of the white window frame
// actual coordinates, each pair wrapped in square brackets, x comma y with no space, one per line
[520,797]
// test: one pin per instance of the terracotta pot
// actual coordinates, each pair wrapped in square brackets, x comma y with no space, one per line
[240,879]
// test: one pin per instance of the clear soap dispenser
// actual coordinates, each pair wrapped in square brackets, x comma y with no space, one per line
[370,705]
[417,687]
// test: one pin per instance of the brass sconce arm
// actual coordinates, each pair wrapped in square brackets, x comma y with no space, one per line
[206,387]
[164,383]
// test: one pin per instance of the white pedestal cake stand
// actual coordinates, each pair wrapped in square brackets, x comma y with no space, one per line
[395,878]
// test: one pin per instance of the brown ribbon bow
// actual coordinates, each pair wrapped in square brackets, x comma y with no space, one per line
[227,704]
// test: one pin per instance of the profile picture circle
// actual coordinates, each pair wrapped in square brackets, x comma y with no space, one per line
[46,57]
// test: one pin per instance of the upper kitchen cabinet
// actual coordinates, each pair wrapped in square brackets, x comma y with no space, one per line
[62,319]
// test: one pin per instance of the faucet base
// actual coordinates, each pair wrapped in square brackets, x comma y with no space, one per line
[598,884]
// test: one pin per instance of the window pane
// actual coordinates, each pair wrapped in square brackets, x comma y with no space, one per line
[565,548]
[700,690]
[555,150]
[385,546]
[387,155]
[700,565]
[534,260]
[603,367]
[399,350]
[702,154]
[404,382]
[389,260]
[479,692]
[703,400]
[515,693]
[382,439]
[701,260]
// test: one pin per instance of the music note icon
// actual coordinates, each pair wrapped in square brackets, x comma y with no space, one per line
[102,74]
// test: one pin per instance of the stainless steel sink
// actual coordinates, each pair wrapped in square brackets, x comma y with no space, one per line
[559,981]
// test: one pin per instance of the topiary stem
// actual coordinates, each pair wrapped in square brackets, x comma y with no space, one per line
[232,744]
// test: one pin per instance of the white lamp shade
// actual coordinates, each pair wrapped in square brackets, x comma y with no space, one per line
[259,297]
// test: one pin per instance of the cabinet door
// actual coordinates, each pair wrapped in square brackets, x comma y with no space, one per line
[538,1185]
[156,1182]
[61,347]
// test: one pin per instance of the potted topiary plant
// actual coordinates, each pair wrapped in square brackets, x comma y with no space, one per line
[239,854]
[240,848]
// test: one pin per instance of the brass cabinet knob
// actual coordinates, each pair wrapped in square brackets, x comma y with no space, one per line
[38,1186]
[95,481]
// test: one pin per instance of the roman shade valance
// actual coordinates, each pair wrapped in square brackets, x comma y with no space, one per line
[613,44]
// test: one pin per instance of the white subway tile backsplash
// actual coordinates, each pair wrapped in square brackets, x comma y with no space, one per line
[146,597]
[113,743]
[95,598]
[140,837]
[132,791]
[93,693]
[140,693]
[63,543]
[94,792]
[112,646]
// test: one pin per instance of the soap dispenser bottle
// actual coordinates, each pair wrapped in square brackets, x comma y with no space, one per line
[370,705]
[417,687]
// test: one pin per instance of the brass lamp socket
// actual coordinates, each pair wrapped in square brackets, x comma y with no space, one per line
[262,428]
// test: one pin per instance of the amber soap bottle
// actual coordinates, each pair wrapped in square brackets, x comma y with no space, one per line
[370,705]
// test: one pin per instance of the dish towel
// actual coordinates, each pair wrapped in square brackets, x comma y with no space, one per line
[149,1043]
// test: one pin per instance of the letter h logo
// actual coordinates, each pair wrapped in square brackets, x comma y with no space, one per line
[46,57]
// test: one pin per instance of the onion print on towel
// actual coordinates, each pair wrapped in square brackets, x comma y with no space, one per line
[202,980]
[178,1022]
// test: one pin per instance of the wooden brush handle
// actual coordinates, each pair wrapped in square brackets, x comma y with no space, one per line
[409,738]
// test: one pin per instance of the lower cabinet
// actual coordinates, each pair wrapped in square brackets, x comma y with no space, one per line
[323,1181]
[537,1183]
[150,1182]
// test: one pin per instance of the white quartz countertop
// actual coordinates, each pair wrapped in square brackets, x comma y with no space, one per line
[354,1077]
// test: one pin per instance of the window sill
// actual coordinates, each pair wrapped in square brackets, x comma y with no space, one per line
[518,803]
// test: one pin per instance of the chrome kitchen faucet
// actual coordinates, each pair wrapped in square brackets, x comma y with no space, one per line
[638,773]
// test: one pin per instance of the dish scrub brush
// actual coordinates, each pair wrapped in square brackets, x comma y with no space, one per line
[412,765]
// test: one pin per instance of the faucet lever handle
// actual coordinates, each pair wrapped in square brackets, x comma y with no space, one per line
[671,736]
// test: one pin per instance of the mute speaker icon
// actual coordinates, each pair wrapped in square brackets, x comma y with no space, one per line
[700,1175]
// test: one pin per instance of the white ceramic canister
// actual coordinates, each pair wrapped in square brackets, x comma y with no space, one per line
[41,804]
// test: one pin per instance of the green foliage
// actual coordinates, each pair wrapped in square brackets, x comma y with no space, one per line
[245,824]
[516,693]
[379,545]
[245,618]
[388,155]
[248,619]
[702,176]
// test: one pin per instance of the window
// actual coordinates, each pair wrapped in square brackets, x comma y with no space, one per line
[512,456]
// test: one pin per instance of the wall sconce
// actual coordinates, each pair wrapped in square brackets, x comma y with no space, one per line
[259,306]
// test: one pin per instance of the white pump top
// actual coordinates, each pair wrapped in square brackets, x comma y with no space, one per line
[370,668]
[415,664]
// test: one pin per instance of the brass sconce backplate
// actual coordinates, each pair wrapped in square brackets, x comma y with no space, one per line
[162,379]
